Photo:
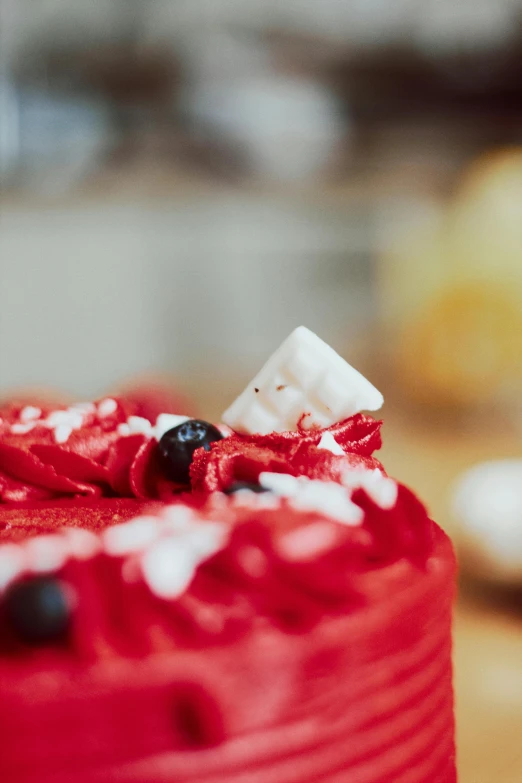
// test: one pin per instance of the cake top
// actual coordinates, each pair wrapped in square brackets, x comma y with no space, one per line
[280,515]
[303,407]
[284,555]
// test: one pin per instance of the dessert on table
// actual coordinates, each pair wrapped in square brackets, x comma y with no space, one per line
[252,601]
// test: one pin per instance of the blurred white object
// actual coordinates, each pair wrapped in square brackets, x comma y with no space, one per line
[9,132]
[49,140]
[487,505]
[304,383]
[284,127]
[61,139]
[287,128]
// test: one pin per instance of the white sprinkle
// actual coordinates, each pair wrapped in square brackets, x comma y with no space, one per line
[138,424]
[245,498]
[130,536]
[204,539]
[12,563]
[329,499]
[69,417]
[23,429]
[62,433]
[124,429]
[84,407]
[281,483]
[81,544]
[328,443]
[166,422]
[178,518]
[46,553]
[170,564]
[107,407]
[168,568]
[324,497]
[29,413]
[381,489]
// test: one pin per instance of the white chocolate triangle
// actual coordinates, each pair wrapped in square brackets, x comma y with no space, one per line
[304,382]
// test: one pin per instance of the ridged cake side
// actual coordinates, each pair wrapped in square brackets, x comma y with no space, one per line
[365,697]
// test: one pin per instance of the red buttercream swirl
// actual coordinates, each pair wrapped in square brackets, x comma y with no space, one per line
[95,461]
[243,458]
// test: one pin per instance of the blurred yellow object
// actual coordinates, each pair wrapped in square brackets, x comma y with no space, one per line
[466,342]
[456,292]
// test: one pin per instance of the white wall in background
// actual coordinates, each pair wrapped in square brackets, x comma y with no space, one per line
[90,295]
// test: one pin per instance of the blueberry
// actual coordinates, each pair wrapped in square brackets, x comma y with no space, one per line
[38,610]
[238,485]
[177,447]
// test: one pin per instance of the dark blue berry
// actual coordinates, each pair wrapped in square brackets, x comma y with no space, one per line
[38,610]
[238,485]
[177,447]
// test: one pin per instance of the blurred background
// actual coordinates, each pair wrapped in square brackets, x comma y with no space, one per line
[185,181]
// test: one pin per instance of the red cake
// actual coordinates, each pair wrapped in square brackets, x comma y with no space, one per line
[249,602]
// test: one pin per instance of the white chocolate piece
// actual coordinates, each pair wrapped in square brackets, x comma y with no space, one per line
[305,382]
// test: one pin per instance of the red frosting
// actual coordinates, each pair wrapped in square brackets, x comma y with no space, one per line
[303,651]
[97,461]
[243,458]
[289,664]
[292,587]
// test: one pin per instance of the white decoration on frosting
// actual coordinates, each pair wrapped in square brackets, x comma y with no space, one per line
[245,498]
[46,554]
[329,443]
[30,413]
[12,563]
[380,488]
[107,407]
[69,418]
[178,518]
[140,424]
[62,433]
[304,382]
[130,536]
[168,569]
[166,422]
[324,497]
[62,422]
[22,429]
[81,544]
[169,565]
[84,407]
[282,484]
